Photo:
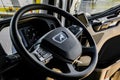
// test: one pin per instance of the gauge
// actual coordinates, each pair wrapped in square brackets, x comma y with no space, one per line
[32,35]
[29,35]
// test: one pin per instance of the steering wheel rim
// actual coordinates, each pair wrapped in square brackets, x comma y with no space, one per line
[16,39]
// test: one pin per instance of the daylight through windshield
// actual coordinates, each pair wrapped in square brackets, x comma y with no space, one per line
[9,7]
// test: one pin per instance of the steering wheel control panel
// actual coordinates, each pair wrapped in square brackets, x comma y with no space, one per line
[76,30]
[42,55]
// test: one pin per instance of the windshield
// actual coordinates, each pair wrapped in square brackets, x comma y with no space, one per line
[9,7]
[95,6]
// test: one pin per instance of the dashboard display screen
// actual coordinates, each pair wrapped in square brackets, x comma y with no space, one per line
[31,32]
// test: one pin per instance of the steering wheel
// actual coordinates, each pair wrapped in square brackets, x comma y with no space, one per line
[59,43]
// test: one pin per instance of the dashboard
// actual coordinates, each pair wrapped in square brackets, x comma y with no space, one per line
[30,29]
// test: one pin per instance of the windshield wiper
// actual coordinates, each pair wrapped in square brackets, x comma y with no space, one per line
[110,13]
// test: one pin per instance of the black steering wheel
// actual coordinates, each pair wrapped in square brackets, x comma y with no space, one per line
[59,43]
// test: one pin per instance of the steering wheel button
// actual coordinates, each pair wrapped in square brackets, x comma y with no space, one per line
[42,53]
[36,54]
[47,55]
[41,59]
[39,50]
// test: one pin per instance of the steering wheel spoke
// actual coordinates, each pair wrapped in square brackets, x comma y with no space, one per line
[88,50]
[71,68]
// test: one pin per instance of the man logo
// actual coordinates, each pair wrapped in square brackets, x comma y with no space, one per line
[60,37]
